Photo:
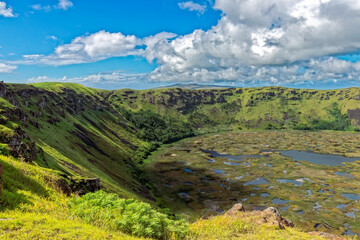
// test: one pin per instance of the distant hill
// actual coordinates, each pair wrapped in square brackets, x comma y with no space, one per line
[194,86]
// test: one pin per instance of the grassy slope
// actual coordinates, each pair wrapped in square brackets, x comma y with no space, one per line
[32,209]
[82,133]
[90,143]
[244,107]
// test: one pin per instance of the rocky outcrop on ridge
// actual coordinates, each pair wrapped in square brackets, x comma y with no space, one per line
[270,216]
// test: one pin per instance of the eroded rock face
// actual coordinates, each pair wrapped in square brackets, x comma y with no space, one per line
[80,187]
[19,148]
[354,114]
[84,186]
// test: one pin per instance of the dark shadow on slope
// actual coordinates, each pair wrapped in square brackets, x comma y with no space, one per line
[14,181]
[204,191]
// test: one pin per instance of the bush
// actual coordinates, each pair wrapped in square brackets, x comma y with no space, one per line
[127,215]
[145,150]
[341,122]
[302,126]
[155,128]
[4,149]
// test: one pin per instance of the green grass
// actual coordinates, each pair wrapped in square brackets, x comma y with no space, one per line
[242,227]
[44,213]
[32,208]
[86,132]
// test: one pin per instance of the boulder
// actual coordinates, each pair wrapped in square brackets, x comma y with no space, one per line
[235,210]
[271,215]
[268,216]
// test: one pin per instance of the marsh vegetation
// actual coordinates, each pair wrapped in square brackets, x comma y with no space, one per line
[312,177]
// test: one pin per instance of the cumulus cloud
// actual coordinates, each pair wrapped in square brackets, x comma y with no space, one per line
[99,46]
[65,4]
[274,41]
[62,4]
[6,11]
[104,78]
[94,47]
[6,68]
[191,6]
[256,34]
[52,37]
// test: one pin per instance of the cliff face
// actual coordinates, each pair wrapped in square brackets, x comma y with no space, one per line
[96,133]
[74,130]
[268,107]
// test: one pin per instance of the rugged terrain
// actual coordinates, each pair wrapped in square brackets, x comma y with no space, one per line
[78,135]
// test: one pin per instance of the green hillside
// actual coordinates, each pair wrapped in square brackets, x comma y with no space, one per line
[60,136]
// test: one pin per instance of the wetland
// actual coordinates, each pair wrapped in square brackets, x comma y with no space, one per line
[311,177]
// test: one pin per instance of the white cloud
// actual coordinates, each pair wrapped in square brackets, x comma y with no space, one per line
[257,34]
[257,40]
[52,37]
[95,47]
[98,46]
[32,56]
[6,11]
[65,4]
[103,78]
[62,4]
[191,6]
[39,7]
[6,68]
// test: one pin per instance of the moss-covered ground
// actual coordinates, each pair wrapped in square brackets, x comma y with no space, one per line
[196,184]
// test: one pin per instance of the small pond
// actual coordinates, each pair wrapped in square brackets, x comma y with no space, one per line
[230,157]
[257,181]
[351,196]
[317,158]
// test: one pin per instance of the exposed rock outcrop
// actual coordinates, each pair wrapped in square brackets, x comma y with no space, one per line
[18,147]
[354,114]
[270,216]
[235,210]
[79,187]
[84,186]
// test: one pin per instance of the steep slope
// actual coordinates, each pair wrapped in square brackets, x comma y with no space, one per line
[36,209]
[90,133]
[73,130]
[58,136]
[248,108]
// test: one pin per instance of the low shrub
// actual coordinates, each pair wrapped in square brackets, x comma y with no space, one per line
[4,149]
[127,215]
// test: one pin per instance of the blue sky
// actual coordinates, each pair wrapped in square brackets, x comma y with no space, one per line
[142,44]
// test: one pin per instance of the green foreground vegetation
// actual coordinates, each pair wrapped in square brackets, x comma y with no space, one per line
[56,136]
[33,209]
